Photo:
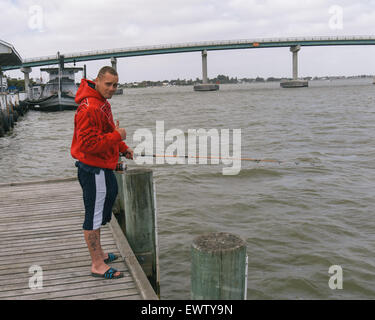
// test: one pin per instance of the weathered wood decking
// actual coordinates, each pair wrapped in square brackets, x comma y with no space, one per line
[41,224]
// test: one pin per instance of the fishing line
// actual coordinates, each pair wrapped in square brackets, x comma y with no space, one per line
[223,158]
[210,158]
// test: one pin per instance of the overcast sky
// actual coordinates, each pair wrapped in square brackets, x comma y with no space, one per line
[43,27]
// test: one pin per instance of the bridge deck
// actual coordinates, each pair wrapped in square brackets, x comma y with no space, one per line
[194,47]
[41,224]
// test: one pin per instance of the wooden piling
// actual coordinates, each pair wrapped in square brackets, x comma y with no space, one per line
[119,205]
[219,267]
[140,221]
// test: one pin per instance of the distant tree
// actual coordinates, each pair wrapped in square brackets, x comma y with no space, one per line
[259,79]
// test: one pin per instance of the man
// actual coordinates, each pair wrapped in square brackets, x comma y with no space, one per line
[96,144]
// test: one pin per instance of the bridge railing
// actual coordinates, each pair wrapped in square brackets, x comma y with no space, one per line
[201,44]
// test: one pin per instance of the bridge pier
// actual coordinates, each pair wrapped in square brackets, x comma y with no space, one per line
[295,50]
[114,63]
[295,83]
[114,66]
[205,86]
[26,71]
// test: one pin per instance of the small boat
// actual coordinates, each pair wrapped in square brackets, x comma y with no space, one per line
[59,92]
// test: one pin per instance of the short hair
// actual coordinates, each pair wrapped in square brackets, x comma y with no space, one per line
[106,69]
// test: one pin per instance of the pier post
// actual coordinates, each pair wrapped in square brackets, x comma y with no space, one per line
[218,267]
[295,83]
[205,86]
[119,205]
[141,221]
[26,71]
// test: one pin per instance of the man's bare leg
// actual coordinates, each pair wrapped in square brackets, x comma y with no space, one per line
[92,238]
[104,255]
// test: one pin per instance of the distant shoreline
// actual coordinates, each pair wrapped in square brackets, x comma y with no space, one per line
[221,79]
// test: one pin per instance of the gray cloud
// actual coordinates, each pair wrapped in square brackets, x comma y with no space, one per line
[71,26]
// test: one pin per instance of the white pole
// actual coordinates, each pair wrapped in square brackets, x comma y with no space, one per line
[59,76]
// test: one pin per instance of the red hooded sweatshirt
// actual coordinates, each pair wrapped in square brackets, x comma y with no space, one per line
[95,140]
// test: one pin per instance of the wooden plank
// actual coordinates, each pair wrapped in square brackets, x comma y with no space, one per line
[42,182]
[47,252]
[32,225]
[49,245]
[40,196]
[29,192]
[24,268]
[63,206]
[53,237]
[42,214]
[41,231]
[48,282]
[37,205]
[78,271]
[130,294]
[45,261]
[72,289]
[38,235]
[79,247]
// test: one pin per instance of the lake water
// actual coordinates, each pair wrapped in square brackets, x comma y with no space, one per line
[313,210]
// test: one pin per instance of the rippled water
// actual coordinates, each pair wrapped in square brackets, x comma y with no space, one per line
[298,218]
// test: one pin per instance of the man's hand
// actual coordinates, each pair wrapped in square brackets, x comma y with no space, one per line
[121,131]
[129,153]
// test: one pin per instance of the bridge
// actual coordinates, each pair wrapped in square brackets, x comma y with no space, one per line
[294,43]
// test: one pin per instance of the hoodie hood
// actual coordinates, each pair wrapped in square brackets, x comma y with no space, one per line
[87,90]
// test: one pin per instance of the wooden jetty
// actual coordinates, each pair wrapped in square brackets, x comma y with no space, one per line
[41,225]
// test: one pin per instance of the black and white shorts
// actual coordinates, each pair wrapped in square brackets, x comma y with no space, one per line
[100,189]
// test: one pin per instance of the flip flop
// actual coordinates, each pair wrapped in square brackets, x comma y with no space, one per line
[109,274]
[111,257]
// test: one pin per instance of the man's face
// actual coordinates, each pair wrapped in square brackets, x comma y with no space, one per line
[106,85]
